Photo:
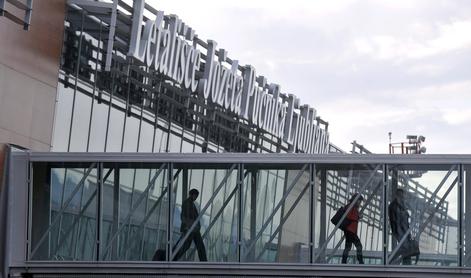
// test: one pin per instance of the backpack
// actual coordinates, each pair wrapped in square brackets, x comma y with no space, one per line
[337,216]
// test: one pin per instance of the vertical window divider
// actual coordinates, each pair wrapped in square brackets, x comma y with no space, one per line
[30,209]
[240,183]
[99,210]
[170,211]
[460,214]
[385,213]
[312,201]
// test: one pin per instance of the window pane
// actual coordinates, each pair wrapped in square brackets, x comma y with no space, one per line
[64,213]
[135,213]
[423,214]
[276,215]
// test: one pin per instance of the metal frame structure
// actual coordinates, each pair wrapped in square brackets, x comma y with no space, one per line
[243,164]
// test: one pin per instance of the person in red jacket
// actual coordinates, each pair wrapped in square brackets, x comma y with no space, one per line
[350,230]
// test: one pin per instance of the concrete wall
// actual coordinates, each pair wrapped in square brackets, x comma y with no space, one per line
[29,66]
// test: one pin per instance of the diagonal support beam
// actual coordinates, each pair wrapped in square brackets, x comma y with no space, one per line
[434,194]
[155,205]
[350,207]
[76,220]
[221,210]
[134,208]
[275,210]
[82,211]
[202,212]
[283,220]
[61,211]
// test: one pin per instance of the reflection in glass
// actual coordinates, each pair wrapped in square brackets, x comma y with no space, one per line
[275,223]
[64,213]
[134,213]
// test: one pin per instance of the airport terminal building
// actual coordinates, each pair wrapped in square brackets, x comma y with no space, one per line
[112,111]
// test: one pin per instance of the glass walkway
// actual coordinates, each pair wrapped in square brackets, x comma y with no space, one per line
[257,214]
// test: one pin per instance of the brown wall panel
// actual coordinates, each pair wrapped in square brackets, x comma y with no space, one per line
[29,67]
[35,52]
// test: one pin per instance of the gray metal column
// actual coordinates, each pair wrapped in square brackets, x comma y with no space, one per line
[323,215]
[460,217]
[392,192]
[240,185]
[384,208]
[312,209]
[115,225]
[99,220]
[170,212]
[253,212]
[467,217]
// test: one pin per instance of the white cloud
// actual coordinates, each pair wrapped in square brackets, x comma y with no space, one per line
[450,36]
[368,67]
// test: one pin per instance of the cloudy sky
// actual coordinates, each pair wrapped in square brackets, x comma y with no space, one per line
[368,67]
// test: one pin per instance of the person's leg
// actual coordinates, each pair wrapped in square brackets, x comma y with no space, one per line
[403,250]
[395,259]
[359,248]
[348,246]
[185,246]
[407,260]
[200,246]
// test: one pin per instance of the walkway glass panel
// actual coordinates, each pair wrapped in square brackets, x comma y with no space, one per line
[256,210]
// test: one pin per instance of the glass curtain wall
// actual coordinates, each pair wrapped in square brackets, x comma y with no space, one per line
[275,215]
[64,212]
[135,211]
[248,212]
[131,108]
[355,192]
[205,228]
[423,214]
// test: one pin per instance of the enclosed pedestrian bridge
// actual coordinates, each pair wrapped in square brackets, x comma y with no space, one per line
[119,214]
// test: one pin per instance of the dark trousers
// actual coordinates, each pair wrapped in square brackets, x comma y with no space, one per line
[196,237]
[351,238]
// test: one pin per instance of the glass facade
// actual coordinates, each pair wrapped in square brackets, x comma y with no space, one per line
[249,212]
[133,108]
[245,212]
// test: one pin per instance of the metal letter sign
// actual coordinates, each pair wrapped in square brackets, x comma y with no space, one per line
[169,47]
